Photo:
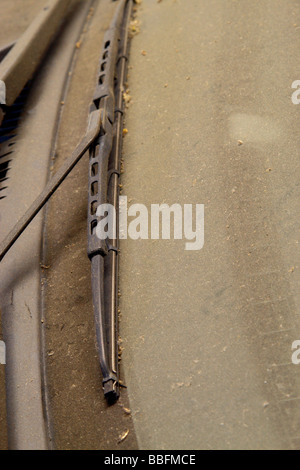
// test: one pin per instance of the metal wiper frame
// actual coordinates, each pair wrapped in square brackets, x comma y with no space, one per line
[104,141]
[104,172]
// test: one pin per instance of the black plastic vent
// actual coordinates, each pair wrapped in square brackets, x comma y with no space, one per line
[8,134]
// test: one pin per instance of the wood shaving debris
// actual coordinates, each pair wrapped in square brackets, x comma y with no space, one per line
[126,98]
[120,352]
[91,12]
[180,385]
[134,28]
[123,436]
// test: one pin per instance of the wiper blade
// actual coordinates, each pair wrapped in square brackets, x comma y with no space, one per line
[104,172]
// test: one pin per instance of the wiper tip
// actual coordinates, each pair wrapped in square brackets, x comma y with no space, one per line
[111,391]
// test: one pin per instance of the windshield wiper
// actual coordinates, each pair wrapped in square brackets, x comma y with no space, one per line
[104,172]
[104,141]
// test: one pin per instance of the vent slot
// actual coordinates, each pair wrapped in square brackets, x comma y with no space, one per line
[8,134]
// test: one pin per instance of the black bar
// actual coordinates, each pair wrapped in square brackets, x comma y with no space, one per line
[104,170]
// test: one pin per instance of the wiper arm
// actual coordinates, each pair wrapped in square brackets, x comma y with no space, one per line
[53,184]
[104,172]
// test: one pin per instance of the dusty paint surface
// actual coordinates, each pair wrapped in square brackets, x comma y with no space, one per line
[208,334]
